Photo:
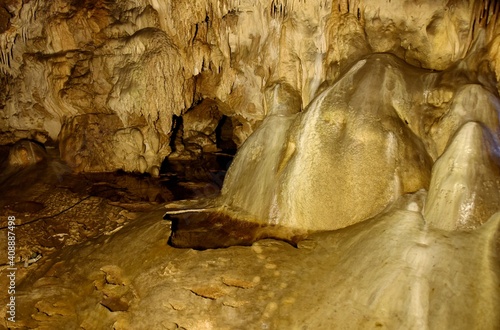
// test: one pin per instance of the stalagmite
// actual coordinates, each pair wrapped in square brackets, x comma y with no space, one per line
[364,192]
[465,186]
[312,171]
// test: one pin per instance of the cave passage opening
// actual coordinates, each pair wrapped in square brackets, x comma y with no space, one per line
[194,170]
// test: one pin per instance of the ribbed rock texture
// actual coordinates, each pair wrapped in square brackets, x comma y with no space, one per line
[359,147]
[146,61]
[368,135]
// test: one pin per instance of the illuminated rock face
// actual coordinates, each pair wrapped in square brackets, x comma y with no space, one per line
[346,134]
[356,149]
[465,185]
[146,61]
[344,159]
[372,127]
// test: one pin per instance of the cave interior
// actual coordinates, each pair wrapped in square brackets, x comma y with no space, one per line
[235,164]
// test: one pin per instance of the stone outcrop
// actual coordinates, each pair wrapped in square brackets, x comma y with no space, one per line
[465,186]
[342,160]
[361,145]
[97,142]
[196,131]
[148,61]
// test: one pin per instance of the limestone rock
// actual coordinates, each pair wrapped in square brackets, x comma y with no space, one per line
[329,134]
[200,124]
[203,118]
[343,160]
[414,284]
[392,271]
[4,20]
[471,102]
[100,143]
[350,155]
[431,37]
[465,186]
[146,61]
[251,180]
[25,152]
[282,99]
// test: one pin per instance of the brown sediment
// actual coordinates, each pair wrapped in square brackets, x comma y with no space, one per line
[215,229]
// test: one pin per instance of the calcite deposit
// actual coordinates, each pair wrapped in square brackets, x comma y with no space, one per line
[465,187]
[358,147]
[148,61]
[364,193]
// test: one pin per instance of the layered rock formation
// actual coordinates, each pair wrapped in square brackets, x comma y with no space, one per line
[144,62]
[375,123]
[353,152]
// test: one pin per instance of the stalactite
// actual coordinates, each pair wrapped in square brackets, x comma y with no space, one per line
[3,47]
[24,33]
[492,28]
[17,36]
[350,7]
[483,18]
[342,6]
[7,52]
[279,9]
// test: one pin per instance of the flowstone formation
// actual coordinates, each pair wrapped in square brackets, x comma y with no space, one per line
[363,143]
[108,79]
[365,191]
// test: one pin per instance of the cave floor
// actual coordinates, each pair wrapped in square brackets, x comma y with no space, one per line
[93,253]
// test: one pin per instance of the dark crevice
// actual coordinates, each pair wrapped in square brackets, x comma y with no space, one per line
[224,135]
[176,132]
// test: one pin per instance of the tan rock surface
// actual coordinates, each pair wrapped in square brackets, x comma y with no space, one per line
[25,153]
[340,109]
[146,61]
[343,160]
[465,185]
[98,142]
[391,272]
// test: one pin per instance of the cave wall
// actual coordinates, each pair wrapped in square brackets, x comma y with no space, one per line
[103,79]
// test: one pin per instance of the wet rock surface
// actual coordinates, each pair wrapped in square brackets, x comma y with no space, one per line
[357,148]
[106,263]
[365,192]
[133,279]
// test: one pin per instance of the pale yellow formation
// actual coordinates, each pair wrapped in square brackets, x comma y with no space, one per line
[363,143]
[147,60]
[371,126]
[342,160]
[465,186]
